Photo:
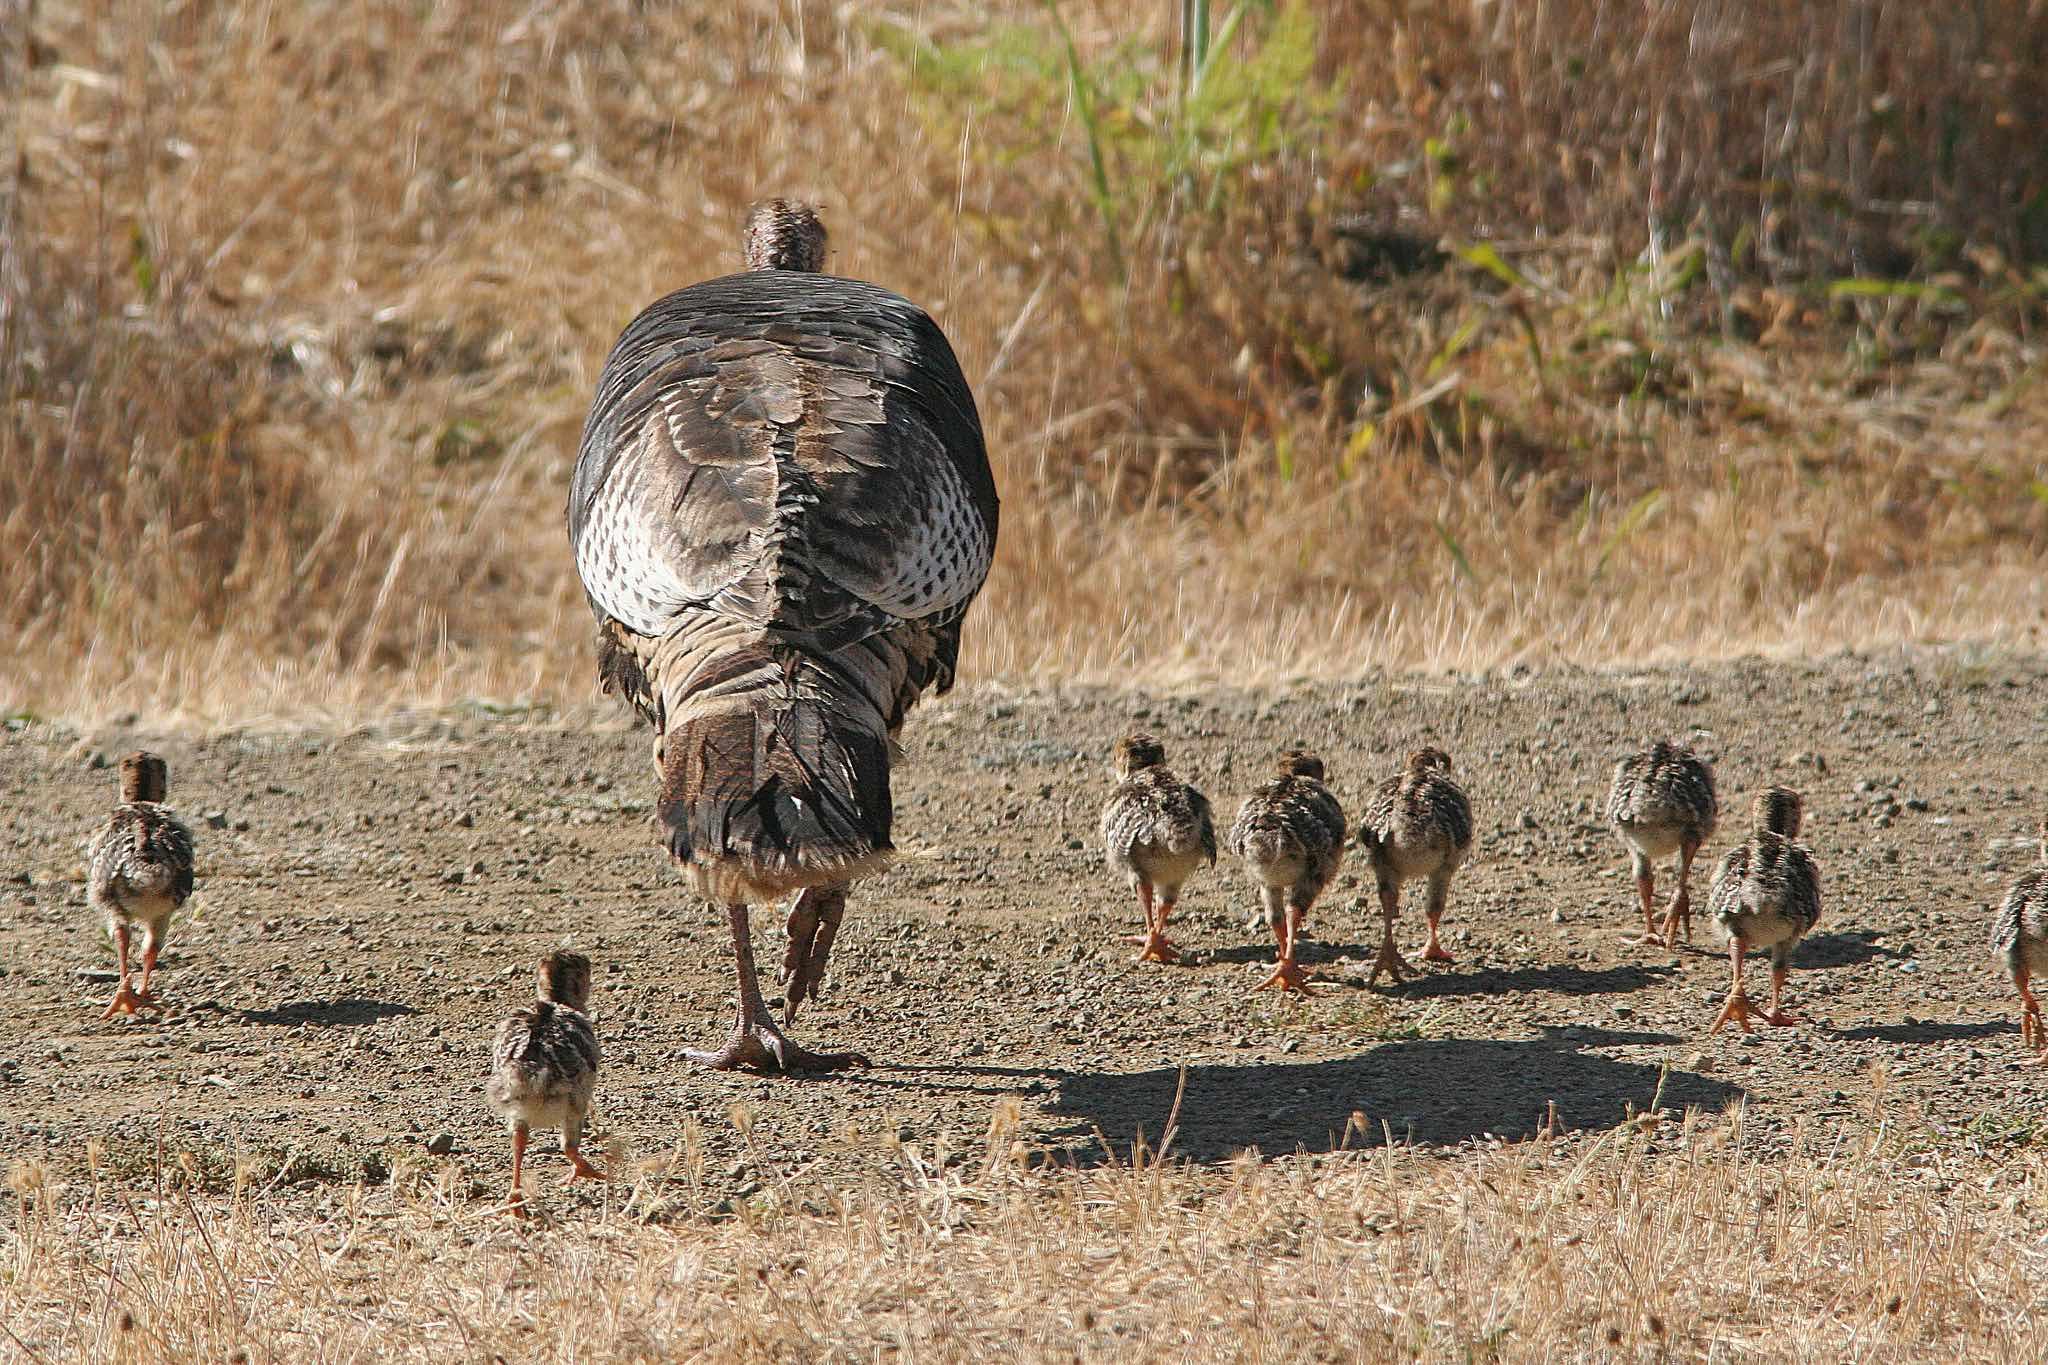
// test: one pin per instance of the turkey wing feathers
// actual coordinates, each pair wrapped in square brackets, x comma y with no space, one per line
[798,452]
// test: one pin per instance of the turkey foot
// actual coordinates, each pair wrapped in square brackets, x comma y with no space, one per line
[1389,961]
[1435,951]
[1288,975]
[1678,918]
[582,1169]
[755,1041]
[1740,1009]
[125,1001]
[1158,947]
[1646,892]
[760,1044]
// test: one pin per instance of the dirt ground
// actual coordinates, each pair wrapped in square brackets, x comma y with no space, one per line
[370,903]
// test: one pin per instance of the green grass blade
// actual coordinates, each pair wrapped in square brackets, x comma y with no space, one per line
[1632,521]
[1082,90]
[1458,559]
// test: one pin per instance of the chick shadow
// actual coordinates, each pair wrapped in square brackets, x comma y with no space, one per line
[348,1012]
[1928,1032]
[1432,1092]
[1310,952]
[1556,978]
[1845,948]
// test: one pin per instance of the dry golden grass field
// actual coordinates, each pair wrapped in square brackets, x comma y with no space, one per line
[1409,339]
[1368,343]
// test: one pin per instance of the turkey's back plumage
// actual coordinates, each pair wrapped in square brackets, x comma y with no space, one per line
[793,451]
[1663,796]
[544,1064]
[1419,822]
[141,863]
[1767,889]
[2019,935]
[1290,832]
[1156,827]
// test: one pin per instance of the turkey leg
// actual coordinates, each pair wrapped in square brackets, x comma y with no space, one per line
[755,1041]
[813,924]
[125,1001]
[1680,918]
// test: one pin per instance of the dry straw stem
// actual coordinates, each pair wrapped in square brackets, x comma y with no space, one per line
[1669,1241]
[301,308]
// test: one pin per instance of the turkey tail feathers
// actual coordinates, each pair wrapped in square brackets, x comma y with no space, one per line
[775,776]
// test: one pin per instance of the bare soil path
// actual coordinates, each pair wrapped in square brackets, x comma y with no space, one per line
[372,902]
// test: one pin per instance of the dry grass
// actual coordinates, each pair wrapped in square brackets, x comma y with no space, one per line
[1655,1241]
[300,310]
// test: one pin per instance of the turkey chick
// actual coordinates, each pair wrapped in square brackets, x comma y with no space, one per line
[140,872]
[544,1065]
[1290,833]
[1662,802]
[1766,894]
[2020,939]
[1156,830]
[1419,825]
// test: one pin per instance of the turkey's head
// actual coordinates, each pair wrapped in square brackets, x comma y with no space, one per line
[783,234]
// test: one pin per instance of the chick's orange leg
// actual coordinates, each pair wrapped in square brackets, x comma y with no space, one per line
[1158,947]
[2032,1033]
[1738,1007]
[125,1001]
[1288,974]
[149,947]
[1778,1016]
[1680,917]
[515,1201]
[1435,951]
[1646,892]
[1389,960]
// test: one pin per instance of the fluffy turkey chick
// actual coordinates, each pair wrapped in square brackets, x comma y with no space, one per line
[1156,830]
[1290,833]
[544,1065]
[1662,802]
[2019,938]
[1418,826]
[140,871]
[1766,894]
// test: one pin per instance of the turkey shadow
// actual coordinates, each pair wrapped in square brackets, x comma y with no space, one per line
[1437,1092]
[958,1078]
[1843,949]
[1928,1032]
[351,1011]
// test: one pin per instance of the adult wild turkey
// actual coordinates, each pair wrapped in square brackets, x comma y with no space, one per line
[781,511]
